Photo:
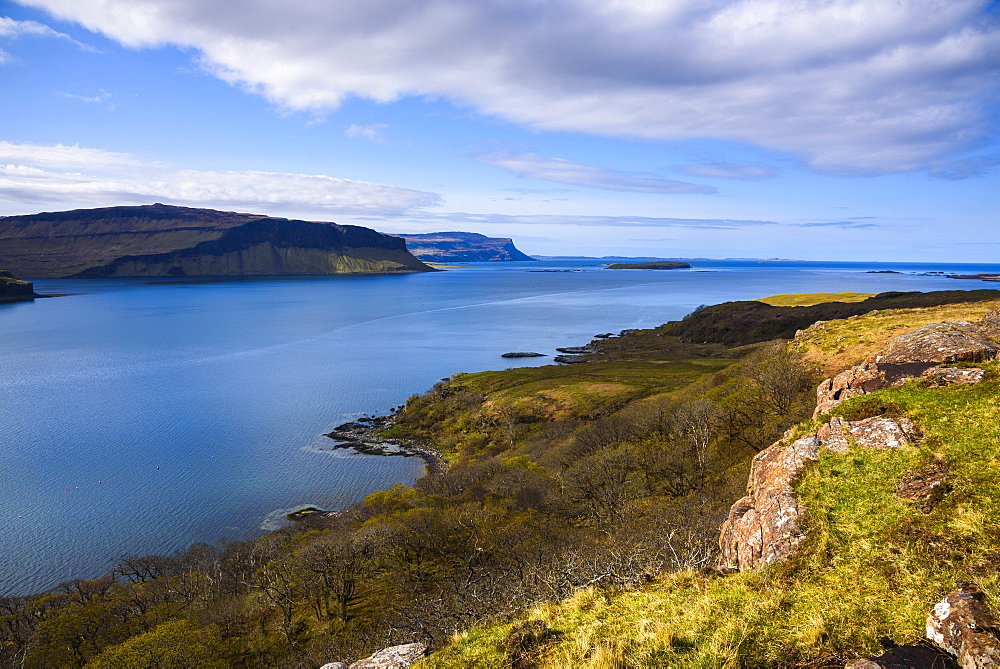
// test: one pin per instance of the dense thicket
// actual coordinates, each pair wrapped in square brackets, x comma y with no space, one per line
[561,477]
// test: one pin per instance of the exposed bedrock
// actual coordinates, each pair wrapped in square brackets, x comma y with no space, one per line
[765,525]
[915,354]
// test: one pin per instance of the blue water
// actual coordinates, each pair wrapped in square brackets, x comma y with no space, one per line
[140,416]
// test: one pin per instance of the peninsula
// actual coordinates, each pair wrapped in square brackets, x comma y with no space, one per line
[462,247]
[164,240]
[15,290]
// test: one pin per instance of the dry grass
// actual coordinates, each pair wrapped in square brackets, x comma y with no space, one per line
[832,346]
[810,299]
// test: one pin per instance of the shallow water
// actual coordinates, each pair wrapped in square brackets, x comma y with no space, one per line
[141,416]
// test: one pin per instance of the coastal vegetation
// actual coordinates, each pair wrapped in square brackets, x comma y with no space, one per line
[587,497]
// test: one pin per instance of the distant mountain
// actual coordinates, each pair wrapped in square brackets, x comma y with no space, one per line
[462,247]
[163,240]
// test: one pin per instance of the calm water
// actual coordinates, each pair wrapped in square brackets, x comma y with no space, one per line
[140,416]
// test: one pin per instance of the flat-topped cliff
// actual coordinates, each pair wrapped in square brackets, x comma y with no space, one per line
[164,240]
[15,290]
[462,247]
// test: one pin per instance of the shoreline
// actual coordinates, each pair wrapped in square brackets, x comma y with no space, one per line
[366,436]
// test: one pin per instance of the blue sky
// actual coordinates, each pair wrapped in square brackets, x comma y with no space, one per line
[814,129]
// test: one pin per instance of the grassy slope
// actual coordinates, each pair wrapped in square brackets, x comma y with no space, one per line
[810,299]
[874,565]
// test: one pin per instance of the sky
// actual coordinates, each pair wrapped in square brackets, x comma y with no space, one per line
[810,129]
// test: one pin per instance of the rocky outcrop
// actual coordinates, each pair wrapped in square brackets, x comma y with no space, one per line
[942,342]
[15,290]
[162,240]
[915,354]
[396,657]
[962,625]
[462,247]
[961,632]
[766,525]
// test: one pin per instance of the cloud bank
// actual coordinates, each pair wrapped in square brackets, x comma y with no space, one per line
[76,176]
[847,86]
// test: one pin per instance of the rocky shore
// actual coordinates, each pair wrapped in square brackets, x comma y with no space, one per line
[367,435]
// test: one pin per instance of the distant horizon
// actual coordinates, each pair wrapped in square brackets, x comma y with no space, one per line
[538,256]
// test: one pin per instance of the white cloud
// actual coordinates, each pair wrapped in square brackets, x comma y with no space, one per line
[13,29]
[372,133]
[847,86]
[63,157]
[68,176]
[103,96]
[729,171]
[563,171]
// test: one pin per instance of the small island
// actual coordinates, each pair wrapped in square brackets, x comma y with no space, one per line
[658,264]
[981,277]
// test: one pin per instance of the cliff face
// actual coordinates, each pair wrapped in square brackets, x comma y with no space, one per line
[15,290]
[163,240]
[462,247]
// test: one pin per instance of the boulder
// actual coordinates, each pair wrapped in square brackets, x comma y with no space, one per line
[396,657]
[922,655]
[962,625]
[914,354]
[942,342]
[942,376]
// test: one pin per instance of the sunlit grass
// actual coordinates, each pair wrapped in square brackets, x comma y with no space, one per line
[810,299]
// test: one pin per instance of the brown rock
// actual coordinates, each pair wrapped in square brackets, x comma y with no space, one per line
[877,432]
[396,657]
[962,625]
[941,376]
[926,487]
[922,655]
[764,526]
[882,433]
[942,342]
[855,381]
[834,436]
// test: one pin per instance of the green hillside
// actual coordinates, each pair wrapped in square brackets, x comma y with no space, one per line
[872,567]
